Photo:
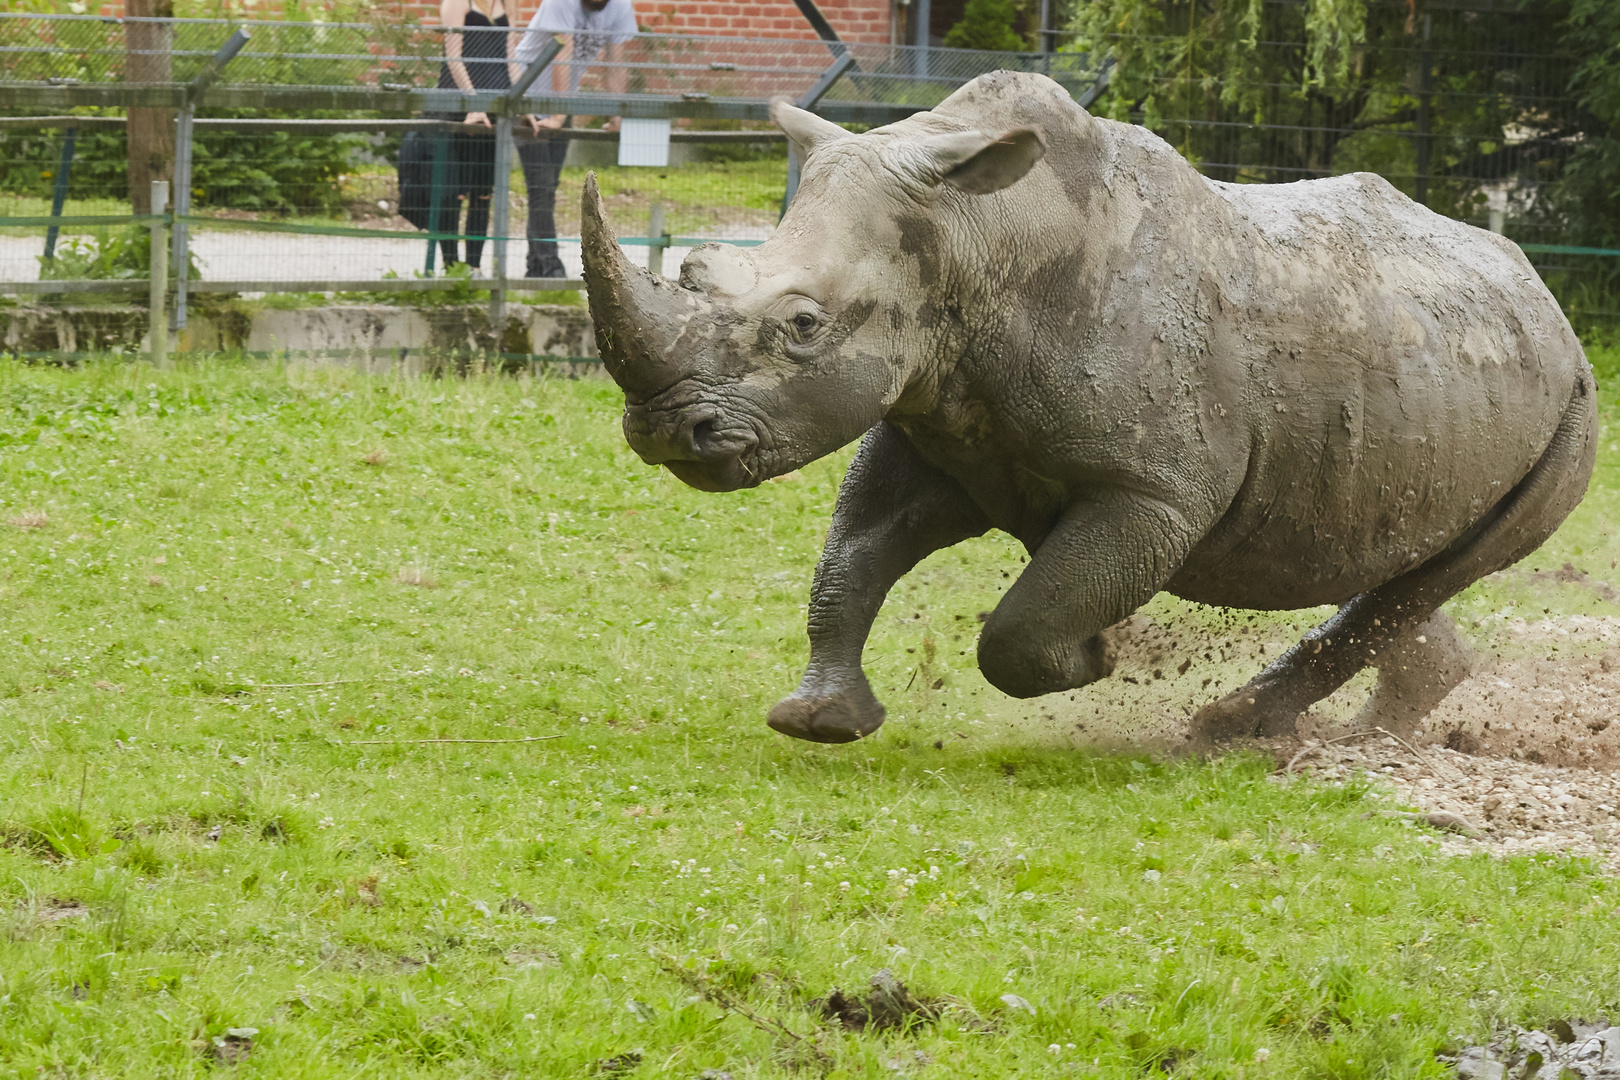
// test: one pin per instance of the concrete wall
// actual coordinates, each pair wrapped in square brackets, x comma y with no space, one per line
[377,337]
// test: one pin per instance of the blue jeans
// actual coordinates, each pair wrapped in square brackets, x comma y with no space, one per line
[542,165]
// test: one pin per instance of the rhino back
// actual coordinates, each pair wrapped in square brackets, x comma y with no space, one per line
[1400,372]
[1335,381]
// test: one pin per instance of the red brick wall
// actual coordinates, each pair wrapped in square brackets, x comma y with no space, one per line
[855,20]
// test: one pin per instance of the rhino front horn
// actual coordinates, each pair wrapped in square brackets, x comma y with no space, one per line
[640,319]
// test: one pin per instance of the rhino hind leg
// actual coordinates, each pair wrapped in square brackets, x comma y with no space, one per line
[1381,625]
[1420,667]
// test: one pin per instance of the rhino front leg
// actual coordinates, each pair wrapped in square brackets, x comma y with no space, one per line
[893,509]
[1104,559]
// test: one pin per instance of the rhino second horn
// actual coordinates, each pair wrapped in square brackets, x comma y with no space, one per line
[640,320]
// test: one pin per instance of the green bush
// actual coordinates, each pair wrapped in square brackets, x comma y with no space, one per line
[277,172]
[988,24]
[115,254]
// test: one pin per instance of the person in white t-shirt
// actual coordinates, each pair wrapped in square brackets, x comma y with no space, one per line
[596,30]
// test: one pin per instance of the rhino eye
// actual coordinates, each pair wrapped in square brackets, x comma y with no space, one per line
[804,322]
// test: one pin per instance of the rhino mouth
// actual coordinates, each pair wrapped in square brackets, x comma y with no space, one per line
[700,444]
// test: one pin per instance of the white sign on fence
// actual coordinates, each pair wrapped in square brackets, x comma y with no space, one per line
[644,142]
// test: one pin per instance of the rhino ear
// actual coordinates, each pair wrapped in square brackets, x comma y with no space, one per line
[971,160]
[806,129]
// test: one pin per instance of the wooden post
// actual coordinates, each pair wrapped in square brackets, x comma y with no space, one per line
[1425,87]
[181,243]
[149,58]
[157,320]
[500,219]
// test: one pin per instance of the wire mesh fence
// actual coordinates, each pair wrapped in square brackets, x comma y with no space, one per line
[324,157]
[1466,110]
[295,205]
[298,149]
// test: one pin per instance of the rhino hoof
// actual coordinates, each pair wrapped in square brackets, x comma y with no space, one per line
[1240,714]
[825,720]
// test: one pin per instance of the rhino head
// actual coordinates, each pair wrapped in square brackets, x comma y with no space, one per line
[757,361]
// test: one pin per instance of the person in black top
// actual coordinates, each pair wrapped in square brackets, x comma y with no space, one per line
[477,48]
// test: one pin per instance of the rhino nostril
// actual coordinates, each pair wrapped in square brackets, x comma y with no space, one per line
[702,435]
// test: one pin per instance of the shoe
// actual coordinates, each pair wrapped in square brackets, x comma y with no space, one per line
[555,272]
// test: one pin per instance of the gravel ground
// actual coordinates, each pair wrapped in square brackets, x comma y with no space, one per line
[1500,805]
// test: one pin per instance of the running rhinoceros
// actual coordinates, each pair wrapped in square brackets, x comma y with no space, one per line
[1043,322]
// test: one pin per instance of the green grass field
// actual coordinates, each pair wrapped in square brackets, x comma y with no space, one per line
[236,599]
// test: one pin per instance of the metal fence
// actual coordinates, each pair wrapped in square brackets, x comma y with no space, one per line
[287,143]
[287,139]
[1451,105]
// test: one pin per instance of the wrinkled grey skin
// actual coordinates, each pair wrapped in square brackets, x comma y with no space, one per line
[1251,396]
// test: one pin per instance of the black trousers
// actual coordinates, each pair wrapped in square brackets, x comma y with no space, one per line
[469,174]
[542,165]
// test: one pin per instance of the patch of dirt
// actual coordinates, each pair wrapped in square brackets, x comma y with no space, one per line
[54,910]
[888,1006]
[1498,805]
[1543,691]
[233,1047]
[1523,751]
[618,1064]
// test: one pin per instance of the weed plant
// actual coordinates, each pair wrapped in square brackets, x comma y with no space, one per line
[239,603]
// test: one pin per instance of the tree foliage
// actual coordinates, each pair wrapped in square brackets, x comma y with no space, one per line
[988,24]
[1256,89]
[1512,110]
[1590,187]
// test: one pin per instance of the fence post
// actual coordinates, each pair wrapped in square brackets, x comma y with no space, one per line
[1425,85]
[441,149]
[180,249]
[657,239]
[157,319]
[59,195]
[500,219]
[182,167]
[922,12]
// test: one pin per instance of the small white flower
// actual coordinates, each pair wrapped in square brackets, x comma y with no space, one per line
[894,875]
[911,882]
[701,911]
[731,928]
[1054,1048]
[760,880]
[568,862]
[326,823]
[1261,1055]
[530,1016]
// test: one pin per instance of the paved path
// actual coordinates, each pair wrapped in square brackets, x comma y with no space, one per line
[239,255]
